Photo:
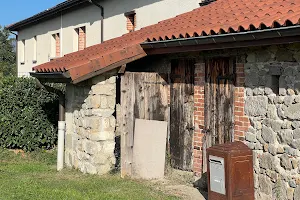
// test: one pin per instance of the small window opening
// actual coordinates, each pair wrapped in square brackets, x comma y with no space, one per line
[275,84]
[34,49]
[80,42]
[55,45]
[22,60]
[131,20]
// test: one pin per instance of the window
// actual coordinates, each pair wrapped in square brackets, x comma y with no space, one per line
[80,39]
[22,52]
[55,45]
[131,20]
[34,59]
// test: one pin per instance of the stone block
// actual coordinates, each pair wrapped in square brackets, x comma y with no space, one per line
[95,101]
[102,136]
[290,193]
[104,102]
[268,135]
[90,168]
[296,125]
[293,112]
[285,162]
[256,106]
[288,100]
[296,134]
[111,79]
[100,159]
[250,137]
[265,184]
[106,89]
[91,147]
[285,136]
[92,123]
[258,91]
[272,149]
[296,144]
[104,169]
[267,161]
[292,183]
[111,102]
[105,125]
[103,112]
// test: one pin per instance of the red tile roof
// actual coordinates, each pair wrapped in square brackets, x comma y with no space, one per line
[220,17]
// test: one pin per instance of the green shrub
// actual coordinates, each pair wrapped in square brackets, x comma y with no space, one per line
[28,115]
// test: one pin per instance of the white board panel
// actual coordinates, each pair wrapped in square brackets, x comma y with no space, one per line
[149,149]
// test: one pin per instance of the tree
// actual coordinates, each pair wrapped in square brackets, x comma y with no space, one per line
[8,65]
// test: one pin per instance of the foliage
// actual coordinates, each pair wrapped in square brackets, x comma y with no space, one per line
[31,178]
[8,65]
[28,115]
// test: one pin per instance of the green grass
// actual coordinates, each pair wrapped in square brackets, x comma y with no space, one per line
[34,177]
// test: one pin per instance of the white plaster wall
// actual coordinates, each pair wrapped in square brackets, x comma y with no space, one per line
[147,12]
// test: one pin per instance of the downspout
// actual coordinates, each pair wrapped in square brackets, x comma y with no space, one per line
[102,17]
[61,34]
[61,123]
[16,50]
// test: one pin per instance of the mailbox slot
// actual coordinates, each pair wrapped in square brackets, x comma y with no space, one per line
[217,174]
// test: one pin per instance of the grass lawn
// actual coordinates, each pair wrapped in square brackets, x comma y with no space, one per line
[34,177]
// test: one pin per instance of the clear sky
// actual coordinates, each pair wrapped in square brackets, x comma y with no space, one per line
[16,10]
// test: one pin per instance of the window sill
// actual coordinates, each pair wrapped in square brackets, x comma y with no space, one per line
[52,58]
[34,61]
[22,63]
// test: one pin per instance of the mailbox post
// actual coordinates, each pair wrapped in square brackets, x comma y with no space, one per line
[230,172]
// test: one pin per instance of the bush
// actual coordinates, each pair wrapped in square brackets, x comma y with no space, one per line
[28,115]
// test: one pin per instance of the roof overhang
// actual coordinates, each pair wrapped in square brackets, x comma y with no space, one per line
[231,40]
[48,14]
[54,77]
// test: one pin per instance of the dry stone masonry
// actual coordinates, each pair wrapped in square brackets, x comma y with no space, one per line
[272,102]
[90,134]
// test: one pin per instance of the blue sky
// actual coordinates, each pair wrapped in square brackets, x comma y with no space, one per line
[15,10]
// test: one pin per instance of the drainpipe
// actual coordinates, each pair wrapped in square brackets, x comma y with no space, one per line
[61,123]
[61,133]
[16,50]
[102,16]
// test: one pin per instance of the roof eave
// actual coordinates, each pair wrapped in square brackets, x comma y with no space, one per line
[44,15]
[206,42]
[52,77]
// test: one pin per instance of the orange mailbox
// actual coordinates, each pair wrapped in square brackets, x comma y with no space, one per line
[230,172]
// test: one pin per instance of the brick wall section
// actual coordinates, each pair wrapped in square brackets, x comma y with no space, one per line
[131,23]
[241,121]
[81,38]
[57,45]
[198,116]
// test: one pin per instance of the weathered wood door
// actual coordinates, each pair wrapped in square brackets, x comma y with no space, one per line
[182,113]
[143,96]
[219,93]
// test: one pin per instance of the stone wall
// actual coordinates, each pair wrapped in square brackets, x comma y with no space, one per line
[90,125]
[272,102]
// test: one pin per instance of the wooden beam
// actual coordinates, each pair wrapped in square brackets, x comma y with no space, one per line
[122,69]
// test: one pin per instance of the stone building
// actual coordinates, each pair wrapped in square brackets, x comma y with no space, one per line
[214,78]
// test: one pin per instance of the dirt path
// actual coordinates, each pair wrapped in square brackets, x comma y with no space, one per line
[184,191]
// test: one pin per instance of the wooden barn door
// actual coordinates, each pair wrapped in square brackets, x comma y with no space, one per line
[143,96]
[182,113]
[219,93]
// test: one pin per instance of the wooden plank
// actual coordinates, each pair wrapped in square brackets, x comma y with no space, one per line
[181,111]
[142,96]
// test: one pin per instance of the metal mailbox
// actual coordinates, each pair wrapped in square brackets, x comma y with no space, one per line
[217,171]
[230,172]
